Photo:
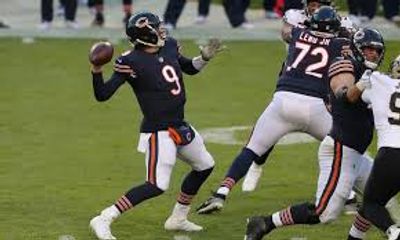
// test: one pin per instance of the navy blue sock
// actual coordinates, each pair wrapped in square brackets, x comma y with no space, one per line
[261,160]
[239,167]
[192,184]
[137,195]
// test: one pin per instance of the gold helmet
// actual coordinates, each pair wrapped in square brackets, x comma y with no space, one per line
[395,67]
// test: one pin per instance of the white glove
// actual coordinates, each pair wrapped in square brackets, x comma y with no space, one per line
[213,46]
[365,80]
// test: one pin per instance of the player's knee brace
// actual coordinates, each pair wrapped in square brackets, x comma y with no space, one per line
[305,214]
[194,180]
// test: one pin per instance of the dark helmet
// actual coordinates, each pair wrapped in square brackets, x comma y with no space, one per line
[325,19]
[145,28]
[368,37]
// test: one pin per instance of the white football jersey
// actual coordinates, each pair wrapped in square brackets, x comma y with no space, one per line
[384,97]
[297,17]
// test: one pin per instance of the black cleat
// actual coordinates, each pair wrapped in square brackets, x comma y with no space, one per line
[213,204]
[258,227]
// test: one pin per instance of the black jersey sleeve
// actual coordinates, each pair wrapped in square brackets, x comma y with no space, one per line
[104,90]
[340,65]
[185,63]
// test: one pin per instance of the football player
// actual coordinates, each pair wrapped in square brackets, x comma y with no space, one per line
[295,18]
[303,80]
[154,70]
[384,183]
[341,161]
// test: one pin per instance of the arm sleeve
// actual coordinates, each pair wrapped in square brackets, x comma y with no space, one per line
[366,96]
[104,90]
[187,65]
[340,65]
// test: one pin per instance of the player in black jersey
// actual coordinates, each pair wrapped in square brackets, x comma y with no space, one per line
[341,161]
[303,80]
[154,70]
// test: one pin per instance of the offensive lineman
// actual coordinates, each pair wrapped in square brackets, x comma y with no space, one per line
[153,68]
[341,161]
[384,182]
[303,80]
[296,18]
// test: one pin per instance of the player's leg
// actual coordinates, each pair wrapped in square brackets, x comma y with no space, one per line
[254,173]
[381,186]
[202,163]
[334,184]
[318,127]
[160,160]
[313,119]
[99,16]
[127,8]
[172,12]
[393,205]
[270,127]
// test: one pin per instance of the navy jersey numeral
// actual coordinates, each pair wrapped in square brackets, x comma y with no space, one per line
[307,49]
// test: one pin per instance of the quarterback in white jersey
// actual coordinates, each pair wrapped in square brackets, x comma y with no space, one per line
[384,97]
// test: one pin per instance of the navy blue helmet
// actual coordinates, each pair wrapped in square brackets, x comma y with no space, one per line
[145,28]
[372,38]
[325,19]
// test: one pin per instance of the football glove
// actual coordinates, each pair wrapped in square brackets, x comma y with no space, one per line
[365,81]
[213,46]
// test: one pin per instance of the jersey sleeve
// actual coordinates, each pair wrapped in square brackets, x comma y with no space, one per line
[366,95]
[122,66]
[185,63]
[104,90]
[295,18]
[340,65]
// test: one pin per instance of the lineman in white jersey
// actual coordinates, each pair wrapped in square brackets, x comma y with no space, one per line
[383,183]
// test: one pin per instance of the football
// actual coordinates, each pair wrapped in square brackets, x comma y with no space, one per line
[101,53]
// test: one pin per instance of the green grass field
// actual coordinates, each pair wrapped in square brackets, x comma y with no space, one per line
[64,157]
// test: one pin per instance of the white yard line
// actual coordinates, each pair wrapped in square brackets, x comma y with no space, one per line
[227,136]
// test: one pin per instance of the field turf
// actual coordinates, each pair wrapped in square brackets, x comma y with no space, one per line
[64,156]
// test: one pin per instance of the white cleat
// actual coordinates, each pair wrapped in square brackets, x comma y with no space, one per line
[179,224]
[101,228]
[251,179]
[393,232]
